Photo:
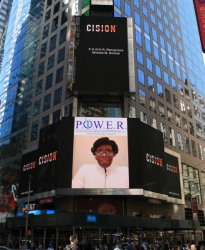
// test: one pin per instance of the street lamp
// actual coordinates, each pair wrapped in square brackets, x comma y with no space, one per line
[28,201]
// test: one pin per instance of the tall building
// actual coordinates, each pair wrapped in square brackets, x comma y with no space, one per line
[37,89]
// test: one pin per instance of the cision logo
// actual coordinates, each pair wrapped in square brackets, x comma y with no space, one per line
[97,125]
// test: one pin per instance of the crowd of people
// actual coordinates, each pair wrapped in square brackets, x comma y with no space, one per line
[120,245]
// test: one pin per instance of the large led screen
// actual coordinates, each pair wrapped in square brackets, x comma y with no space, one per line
[100,155]
[102,56]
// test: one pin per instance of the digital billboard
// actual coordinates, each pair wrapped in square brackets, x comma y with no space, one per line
[41,164]
[200,14]
[96,155]
[100,155]
[102,60]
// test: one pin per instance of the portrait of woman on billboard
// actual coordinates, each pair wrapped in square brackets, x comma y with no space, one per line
[100,161]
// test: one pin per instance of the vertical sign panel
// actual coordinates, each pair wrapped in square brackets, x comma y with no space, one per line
[200,13]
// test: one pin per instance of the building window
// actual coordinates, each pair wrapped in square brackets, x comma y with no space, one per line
[189,112]
[193,146]
[160,26]
[146,27]
[170,115]
[172,137]
[168,95]
[143,117]
[54,24]
[174,85]
[41,68]
[180,89]
[43,49]
[171,65]
[34,131]
[57,95]
[37,107]
[158,71]
[45,31]
[52,43]
[161,109]
[156,52]
[45,121]
[62,35]
[39,87]
[56,116]
[153,19]
[136,3]
[180,141]
[142,97]
[149,64]
[147,45]
[61,55]
[139,57]
[182,107]
[138,37]
[166,78]
[127,10]
[176,101]
[164,131]
[64,17]
[162,43]
[117,3]
[140,76]
[132,112]
[200,151]
[49,80]
[159,90]
[49,2]
[56,8]
[144,11]
[184,124]
[151,83]
[51,60]
[164,60]
[152,103]
[68,110]
[48,15]
[59,74]
[154,34]
[153,122]
[191,128]
[187,145]
[177,119]
[47,100]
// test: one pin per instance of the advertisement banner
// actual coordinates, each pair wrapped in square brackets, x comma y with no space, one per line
[100,154]
[200,14]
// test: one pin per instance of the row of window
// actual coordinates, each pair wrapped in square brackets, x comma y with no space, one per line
[49,81]
[45,120]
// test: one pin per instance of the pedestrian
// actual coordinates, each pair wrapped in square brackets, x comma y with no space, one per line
[130,246]
[105,246]
[50,247]
[73,243]
[40,247]
[32,246]
[118,245]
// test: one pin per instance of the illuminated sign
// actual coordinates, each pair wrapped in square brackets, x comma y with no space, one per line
[91,218]
[200,13]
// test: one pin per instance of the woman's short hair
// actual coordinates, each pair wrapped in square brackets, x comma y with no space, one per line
[104,141]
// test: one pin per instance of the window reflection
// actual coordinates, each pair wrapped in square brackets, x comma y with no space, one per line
[193,146]
[172,137]
[177,119]
[152,104]
[163,130]
[182,106]
[180,141]
[132,112]
[143,117]
[191,128]
[153,122]
[170,115]
[161,109]
[142,97]
[159,90]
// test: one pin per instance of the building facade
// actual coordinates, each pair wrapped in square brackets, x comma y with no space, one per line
[38,60]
